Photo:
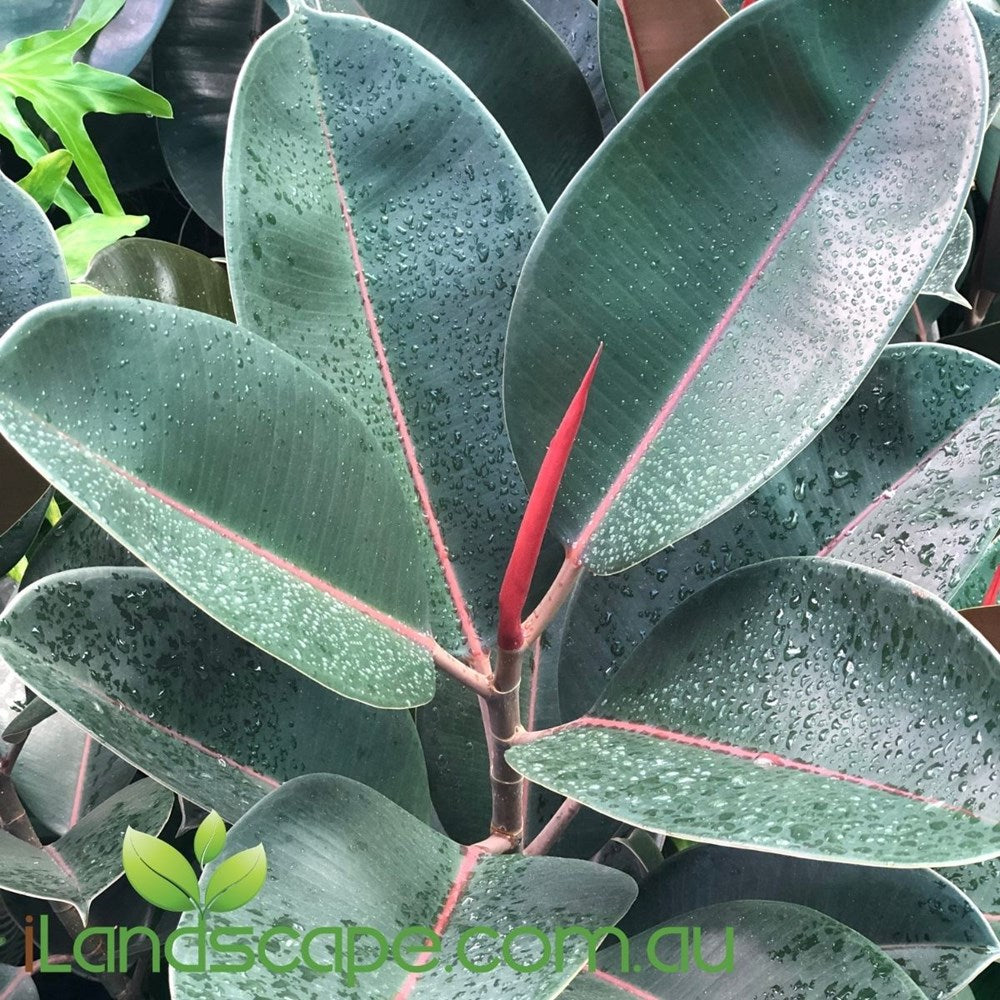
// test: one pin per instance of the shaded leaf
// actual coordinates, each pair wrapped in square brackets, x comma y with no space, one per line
[778,950]
[81,240]
[16,984]
[162,272]
[617,60]
[666,446]
[182,698]
[83,863]
[915,917]
[981,883]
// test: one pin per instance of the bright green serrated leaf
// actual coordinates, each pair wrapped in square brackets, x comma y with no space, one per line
[236,881]
[210,838]
[159,873]
[81,240]
[40,70]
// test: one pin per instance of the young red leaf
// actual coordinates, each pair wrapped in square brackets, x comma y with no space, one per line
[527,545]
[993,590]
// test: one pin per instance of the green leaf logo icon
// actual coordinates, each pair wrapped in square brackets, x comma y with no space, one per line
[160,873]
[236,881]
[210,838]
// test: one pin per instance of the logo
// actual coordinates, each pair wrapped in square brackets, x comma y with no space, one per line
[165,878]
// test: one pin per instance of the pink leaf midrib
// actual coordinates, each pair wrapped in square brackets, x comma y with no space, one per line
[410,456]
[634,459]
[754,756]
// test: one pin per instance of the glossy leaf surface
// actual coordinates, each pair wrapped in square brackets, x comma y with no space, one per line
[385,259]
[779,950]
[903,479]
[514,64]
[183,699]
[731,307]
[162,272]
[799,706]
[327,868]
[31,268]
[915,917]
[83,863]
[290,517]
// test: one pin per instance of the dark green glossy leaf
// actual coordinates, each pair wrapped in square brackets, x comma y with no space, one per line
[196,59]
[981,882]
[162,272]
[728,291]
[31,267]
[180,697]
[575,22]
[951,265]
[617,61]
[75,542]
[83,863]
[82,239]
[801,706]
[22,509]
[35,712]
[297,526]
[513,62]
[57,798]
[779,951]
[915,917]
[903,479]
[326,869]
[407,278]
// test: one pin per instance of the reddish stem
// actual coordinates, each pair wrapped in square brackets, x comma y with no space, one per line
[527,545]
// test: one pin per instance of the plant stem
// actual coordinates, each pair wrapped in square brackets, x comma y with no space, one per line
[503,717]
[479,682]
[554,829]
[558,594]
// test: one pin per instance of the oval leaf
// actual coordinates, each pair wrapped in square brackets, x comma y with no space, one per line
[160,873]
[414,342]
[210,838]
[727,292]
[798,706]
[236,880]
[209,715]
[297,510]
[778,950]
[903,479]
[340,855]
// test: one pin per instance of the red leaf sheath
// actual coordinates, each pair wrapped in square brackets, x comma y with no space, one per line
[527,545]
[993,590]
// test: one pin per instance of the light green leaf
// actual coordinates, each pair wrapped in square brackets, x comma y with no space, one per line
[41,70]
[160,873]
[46,177]
[236,881]
[210,838]
[82,239]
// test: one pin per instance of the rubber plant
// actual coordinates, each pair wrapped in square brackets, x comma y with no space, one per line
[596,532]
